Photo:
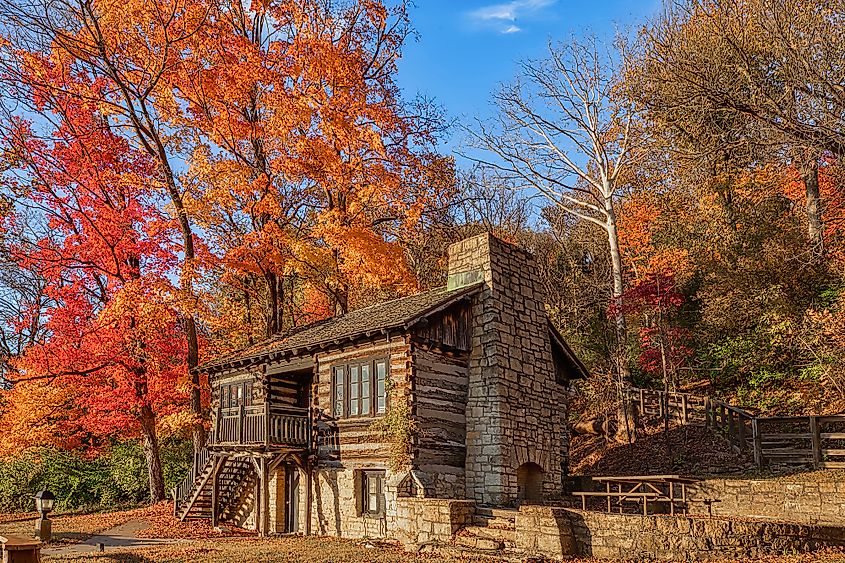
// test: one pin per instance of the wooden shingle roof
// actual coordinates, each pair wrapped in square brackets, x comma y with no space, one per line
[396,314]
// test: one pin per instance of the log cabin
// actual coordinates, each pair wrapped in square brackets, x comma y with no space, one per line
[454,393]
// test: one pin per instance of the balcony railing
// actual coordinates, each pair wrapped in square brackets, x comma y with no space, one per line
[250,425]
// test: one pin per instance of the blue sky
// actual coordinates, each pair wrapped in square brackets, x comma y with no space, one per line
[467,47]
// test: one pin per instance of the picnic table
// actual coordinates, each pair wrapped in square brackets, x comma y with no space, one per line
[644,489]
[16,549]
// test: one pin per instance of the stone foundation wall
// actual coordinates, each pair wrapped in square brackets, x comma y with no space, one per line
[421,520]
[560,532]
[802,502]
[411,520]
[335,508]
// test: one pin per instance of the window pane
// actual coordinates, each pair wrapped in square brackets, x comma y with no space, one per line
[381,373]
[338,392]
[248,393]
[365,389]
[354,387]
[239,390]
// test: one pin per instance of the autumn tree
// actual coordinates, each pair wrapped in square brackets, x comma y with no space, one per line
[735,77]
[112,349]
[127,49]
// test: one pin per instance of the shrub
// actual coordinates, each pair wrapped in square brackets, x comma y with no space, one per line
[118,477]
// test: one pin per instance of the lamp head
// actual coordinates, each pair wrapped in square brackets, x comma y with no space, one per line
[45,501]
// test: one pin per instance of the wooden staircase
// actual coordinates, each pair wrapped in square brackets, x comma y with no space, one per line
[193,498]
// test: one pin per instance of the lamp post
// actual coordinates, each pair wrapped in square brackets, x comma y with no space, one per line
[44,503]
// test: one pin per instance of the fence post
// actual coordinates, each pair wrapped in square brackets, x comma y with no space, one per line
[642,404]
[817,441]
[742,444]
[684,408]
[758,442]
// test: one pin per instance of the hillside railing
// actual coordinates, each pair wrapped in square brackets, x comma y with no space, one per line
[815,441]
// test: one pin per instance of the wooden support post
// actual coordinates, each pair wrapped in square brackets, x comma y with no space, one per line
[742,444]
[608,495]
[215,490]
[684,496]
[267,422]
[619,490]
[241,415]
[671,498]
[265,498]
[758,442]
[731,427]
[684,417]
[816,437]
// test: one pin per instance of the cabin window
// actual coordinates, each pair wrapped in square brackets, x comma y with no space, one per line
[234,395]
[339,384]
[372,489]
[359,388]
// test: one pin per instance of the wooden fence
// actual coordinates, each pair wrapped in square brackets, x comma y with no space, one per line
[816,441]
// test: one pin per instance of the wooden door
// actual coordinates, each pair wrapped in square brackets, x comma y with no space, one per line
[291,499]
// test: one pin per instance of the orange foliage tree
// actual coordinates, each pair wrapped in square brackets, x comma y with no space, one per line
[310,165]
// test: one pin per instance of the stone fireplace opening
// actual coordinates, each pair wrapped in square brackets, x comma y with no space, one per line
[529,481]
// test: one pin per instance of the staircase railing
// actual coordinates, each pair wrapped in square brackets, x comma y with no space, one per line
[184,489]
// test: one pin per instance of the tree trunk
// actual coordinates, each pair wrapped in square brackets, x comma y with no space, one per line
[620,325]
[815,226]
[623,373]
[275,305]
[186,282]
[152,454]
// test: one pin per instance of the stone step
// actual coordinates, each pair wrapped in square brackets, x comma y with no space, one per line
[507,537]
[478,542]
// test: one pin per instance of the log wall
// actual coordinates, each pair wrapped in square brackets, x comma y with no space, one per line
[440,383]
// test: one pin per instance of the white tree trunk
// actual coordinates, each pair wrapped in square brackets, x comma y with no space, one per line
[618,290]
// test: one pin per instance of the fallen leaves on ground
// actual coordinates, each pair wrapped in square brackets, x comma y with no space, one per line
[692,450]
[296,549]
[163,525]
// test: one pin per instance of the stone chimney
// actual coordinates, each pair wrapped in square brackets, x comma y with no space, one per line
[516,412]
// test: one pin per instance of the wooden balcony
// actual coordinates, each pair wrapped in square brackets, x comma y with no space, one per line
[287,427]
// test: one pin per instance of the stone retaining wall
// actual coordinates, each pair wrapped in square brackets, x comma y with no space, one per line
[560,532]
[422,520]
[802,502]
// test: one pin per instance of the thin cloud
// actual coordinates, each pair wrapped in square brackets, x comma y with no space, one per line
[503,16]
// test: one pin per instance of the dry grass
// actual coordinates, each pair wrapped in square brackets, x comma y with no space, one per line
[241,550]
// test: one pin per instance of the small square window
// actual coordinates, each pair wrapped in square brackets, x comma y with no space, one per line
[372,490]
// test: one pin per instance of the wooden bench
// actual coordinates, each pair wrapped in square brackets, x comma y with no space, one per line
[16,549]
